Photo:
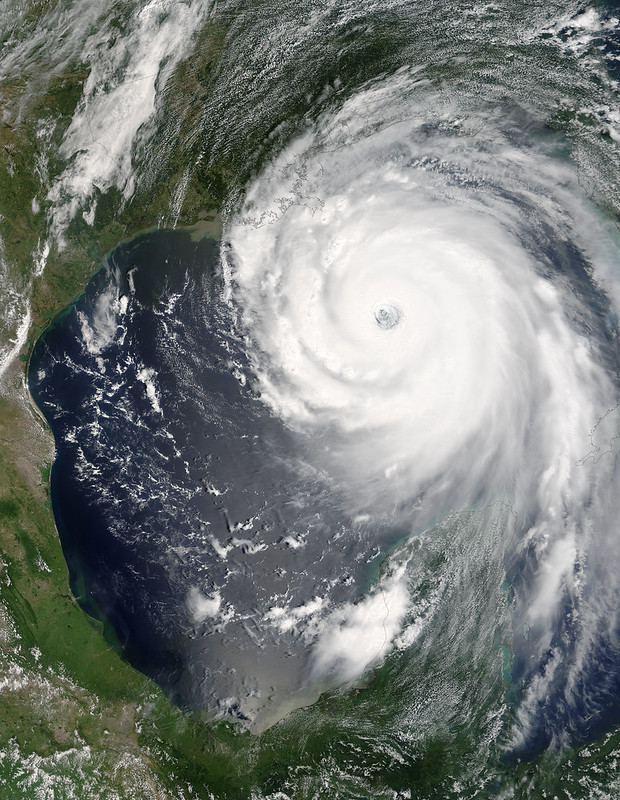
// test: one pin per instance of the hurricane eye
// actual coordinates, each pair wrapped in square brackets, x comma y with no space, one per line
[387,316]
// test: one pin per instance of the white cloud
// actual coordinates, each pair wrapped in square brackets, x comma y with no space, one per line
[127,74]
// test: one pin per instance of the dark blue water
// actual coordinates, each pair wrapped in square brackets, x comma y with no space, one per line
[114,530]
[172,478]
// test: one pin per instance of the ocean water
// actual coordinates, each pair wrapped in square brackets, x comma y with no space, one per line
[347,477]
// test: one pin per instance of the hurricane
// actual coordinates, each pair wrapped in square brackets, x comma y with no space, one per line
[428,305]
[336,465]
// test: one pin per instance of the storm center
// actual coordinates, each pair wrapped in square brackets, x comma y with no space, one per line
[387,316]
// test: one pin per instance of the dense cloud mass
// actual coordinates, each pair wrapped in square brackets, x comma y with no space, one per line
[427,305]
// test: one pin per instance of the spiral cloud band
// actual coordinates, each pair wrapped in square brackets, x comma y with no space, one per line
[428,303]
